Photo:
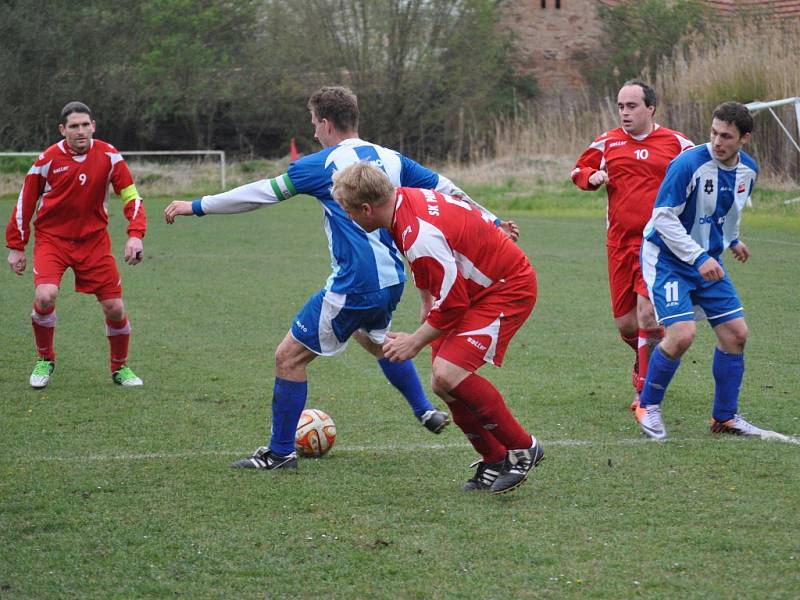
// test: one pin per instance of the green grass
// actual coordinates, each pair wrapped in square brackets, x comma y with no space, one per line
[112,493]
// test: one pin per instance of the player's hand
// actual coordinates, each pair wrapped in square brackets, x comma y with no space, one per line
[510,229]
[598,178]
[740,252]
[175,208]
[134,250]
[17,261]
[400,346]
[711,270]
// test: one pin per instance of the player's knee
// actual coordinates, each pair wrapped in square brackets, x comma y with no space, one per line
[44,297]
[627,326]
[442,380]
[646,316]
[114,310]
[288,361]
[734,338]
[679,337]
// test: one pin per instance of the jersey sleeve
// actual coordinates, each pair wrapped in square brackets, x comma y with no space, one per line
[125,188]
[250,196]
[413,174]
[589,163]
[677,188]
[18,230]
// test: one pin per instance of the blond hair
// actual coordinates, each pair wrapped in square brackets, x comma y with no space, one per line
[361,183]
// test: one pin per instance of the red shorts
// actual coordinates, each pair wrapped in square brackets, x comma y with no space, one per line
[484,332]
[625,279]
[89,258]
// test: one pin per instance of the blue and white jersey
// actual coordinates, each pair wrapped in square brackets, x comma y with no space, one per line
[361,262]
[699,205]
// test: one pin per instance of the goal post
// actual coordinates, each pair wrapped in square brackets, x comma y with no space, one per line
[757,106]
[218,153]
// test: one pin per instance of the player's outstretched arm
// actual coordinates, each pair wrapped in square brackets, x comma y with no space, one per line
[17,261]
[177,208]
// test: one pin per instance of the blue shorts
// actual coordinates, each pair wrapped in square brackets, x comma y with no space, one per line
[679,293]
[328,319]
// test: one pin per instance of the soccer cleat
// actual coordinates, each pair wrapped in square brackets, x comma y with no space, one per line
[649,419]
[435,420]
[124,376]
[484,476]
[42,370]
[264,458]
[740,426]
[516,467]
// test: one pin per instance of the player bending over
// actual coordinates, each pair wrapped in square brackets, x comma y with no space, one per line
[478,288]
[365,286]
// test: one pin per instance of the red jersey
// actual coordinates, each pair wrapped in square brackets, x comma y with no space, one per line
[68,193]
[635,169]
[453,252]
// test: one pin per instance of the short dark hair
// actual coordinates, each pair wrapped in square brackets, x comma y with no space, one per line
[338,104]
[650,98]
[736,113]
[74,107]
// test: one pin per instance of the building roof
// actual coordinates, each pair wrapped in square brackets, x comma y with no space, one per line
[770,8]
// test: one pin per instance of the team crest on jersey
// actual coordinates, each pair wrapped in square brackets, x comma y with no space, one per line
[741,188]
[708,187]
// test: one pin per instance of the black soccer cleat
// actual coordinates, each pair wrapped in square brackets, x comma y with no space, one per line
[484,477]
[435,420]
[264,458]
[515,470]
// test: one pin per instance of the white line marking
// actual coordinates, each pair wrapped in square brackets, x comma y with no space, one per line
[391,448]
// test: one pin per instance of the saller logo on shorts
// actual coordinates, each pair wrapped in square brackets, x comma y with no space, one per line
[477,344]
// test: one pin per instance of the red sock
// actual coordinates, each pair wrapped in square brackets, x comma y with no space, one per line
[487,405]
[648,339]
[119,334]
[44,329]
[481,439]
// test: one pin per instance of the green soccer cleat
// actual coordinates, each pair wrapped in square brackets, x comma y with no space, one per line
[41,372]
[124,376]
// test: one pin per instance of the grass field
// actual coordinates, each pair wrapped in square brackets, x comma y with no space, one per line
[114,493]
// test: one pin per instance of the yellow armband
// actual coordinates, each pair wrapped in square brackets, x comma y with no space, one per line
[129,193]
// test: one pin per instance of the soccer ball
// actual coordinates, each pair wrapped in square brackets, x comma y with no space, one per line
[315,434]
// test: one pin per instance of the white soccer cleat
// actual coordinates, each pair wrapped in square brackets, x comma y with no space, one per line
[738,425]
[650,421]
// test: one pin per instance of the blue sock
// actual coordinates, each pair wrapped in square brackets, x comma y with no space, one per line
[403,376]
[728,372]
[288,402]
[660,371]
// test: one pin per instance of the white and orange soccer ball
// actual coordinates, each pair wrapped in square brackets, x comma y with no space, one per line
[316,433]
